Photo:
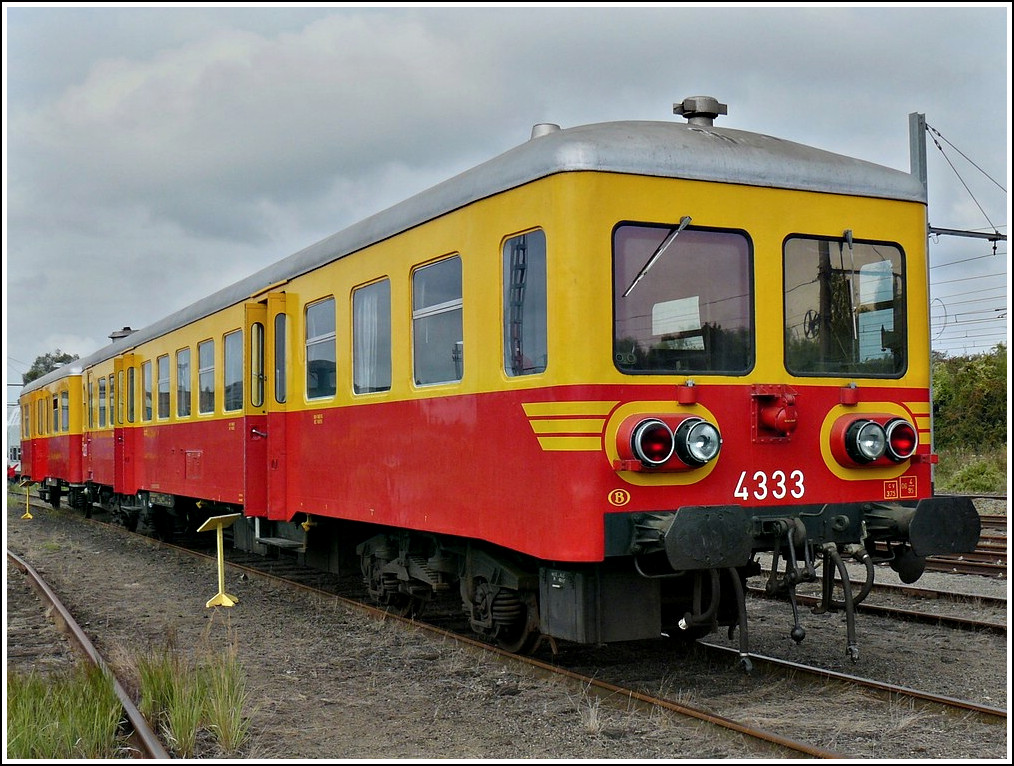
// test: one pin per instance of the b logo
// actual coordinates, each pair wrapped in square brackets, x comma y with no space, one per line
[619,497]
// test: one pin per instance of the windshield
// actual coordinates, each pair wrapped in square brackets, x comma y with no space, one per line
[844,308]
[681,303]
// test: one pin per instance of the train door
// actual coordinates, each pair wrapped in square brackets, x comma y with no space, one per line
[256,439]
[122,415]
[87,451]
[278,361]
[267,328]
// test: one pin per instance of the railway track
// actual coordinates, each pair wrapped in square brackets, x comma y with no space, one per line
[45,616]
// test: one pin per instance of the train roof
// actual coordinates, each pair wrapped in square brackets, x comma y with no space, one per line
[650,148]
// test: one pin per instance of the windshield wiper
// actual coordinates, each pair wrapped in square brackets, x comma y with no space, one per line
[684,222]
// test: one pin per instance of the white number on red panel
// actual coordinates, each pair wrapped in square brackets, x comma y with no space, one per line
[776,485]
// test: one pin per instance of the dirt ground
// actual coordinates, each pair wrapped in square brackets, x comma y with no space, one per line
[325,683]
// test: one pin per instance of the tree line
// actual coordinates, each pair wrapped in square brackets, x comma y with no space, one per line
[970,400]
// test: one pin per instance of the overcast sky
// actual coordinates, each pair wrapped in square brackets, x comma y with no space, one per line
[153,155]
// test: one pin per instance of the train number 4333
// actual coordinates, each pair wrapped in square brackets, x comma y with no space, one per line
[760,485]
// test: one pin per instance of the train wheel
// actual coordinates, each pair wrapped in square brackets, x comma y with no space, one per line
[163,523]
[79,500]
[506,616]
[383,587]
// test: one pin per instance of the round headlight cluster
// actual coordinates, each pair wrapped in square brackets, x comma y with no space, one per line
[867,441]
[694,441]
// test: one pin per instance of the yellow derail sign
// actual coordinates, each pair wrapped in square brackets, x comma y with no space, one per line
[219,523]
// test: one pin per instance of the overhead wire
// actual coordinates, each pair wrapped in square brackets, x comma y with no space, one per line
[934,133]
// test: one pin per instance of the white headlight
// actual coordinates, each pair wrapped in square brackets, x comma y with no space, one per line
[697,441]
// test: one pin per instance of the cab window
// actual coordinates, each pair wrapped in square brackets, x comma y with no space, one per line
[682,300]
[844,308]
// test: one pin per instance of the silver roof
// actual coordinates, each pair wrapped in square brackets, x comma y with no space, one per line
[664,149]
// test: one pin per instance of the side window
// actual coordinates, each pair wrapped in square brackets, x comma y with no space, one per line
[102,402]
[371,338]
[234,370]
[437,337]
[26,421]
[56,415]
[524,304]
[257,364]
[206,376]
[163,386]
[146,390]
[112,400]
[91,405]
[119,398]
[280,330]
[183,383]
[65,411]
[131,389]
[320,349]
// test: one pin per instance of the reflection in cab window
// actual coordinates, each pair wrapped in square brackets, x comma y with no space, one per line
[320,350]
[524,304]
[437,345]
[234,370]
[844,308]
[371,338]
[682,300]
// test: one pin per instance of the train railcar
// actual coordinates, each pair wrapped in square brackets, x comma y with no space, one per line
[584,387]
[14,444]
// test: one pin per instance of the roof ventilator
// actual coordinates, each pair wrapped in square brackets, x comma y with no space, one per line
[544,129]
[700,110]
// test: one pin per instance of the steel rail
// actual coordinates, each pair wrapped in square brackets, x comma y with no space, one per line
[892,611]
[142,736]
[985,711]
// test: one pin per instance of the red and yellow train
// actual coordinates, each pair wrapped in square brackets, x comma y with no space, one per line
[587,385]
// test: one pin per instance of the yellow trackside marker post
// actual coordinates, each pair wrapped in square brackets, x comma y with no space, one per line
[28,513]
[219,523]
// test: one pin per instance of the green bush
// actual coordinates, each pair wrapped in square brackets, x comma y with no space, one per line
[970,400]
[966,472]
